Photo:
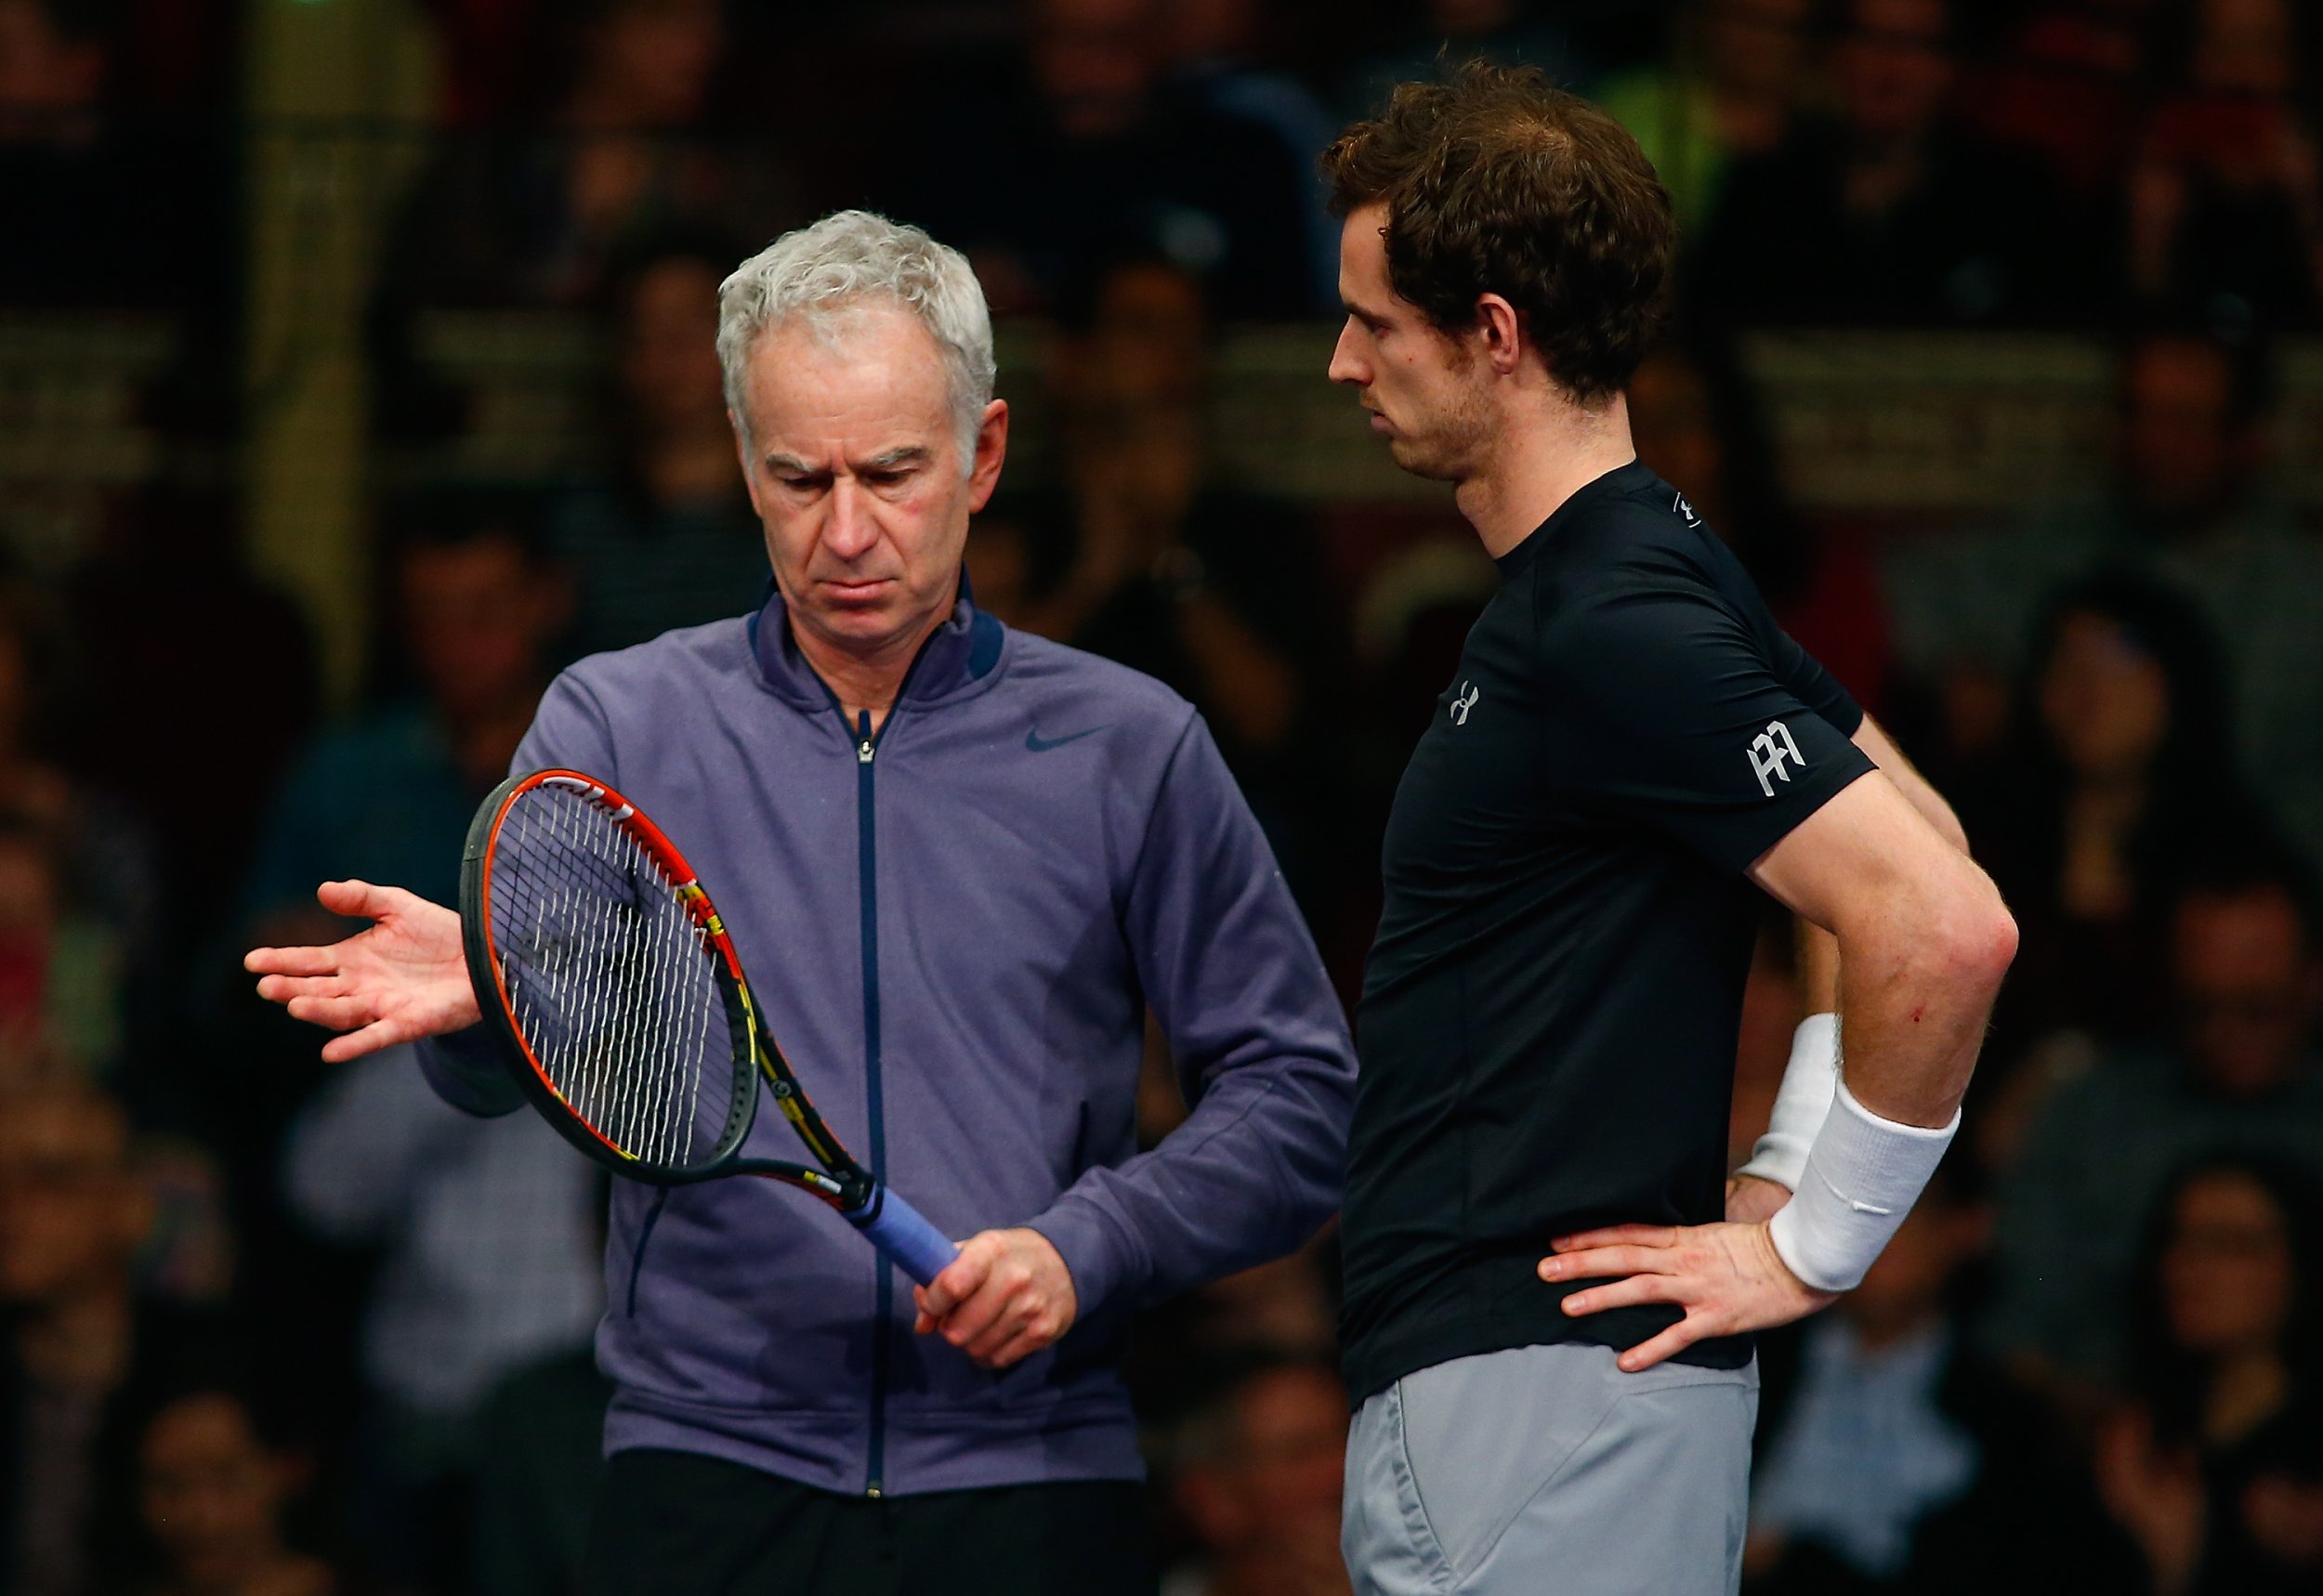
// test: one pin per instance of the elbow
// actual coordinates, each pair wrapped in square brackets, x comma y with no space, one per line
[1973,945]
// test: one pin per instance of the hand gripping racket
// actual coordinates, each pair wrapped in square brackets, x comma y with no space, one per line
[628,1021]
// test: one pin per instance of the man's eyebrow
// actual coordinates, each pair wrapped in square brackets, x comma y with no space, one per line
[786,463]
[904,454]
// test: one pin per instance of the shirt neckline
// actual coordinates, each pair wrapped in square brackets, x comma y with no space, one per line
[1621,479]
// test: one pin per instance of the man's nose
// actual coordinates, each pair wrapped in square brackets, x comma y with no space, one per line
[1346,365]
[850,531]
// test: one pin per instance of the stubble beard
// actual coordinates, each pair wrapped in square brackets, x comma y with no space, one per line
[1452,445]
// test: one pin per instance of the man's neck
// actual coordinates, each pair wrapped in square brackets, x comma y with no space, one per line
[866,680]
[1539,463]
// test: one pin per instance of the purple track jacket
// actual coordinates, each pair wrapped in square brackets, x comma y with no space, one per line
[954,929]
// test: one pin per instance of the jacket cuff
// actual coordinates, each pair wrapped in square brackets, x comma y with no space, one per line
[1099,1251]
[466,1069]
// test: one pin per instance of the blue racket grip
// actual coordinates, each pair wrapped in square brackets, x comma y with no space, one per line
[896,1229]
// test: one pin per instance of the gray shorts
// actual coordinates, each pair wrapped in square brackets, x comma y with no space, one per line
[1547,1472]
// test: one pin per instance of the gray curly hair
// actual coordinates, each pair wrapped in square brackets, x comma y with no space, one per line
[827,271]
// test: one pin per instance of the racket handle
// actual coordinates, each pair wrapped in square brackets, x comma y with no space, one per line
[896,1229]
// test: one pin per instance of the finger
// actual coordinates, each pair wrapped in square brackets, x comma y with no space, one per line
[292,961]
[1635,1235]
[971,1319]
[1602,1260]
[959,1280]
[1006,1325]
[969,1323]
[1624,1294]
[360,898]
[1025,1343]
[340,1013]
[1674,1340]
[283,988]
[370,1040]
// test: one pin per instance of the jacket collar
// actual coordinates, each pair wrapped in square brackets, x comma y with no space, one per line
[958,654]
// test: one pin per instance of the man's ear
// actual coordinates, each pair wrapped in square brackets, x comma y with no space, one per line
[1499,333]
[991,448]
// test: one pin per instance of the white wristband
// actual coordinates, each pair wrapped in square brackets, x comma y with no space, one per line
[1862,1177]
[1800,1104]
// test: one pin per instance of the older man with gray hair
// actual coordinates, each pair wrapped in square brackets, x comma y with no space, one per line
[960,863]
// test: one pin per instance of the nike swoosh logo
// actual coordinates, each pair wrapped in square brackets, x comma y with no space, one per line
[1035,743]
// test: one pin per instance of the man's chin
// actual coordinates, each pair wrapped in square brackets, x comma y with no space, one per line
[1417,457]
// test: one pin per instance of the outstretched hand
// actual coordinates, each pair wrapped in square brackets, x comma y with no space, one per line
[1727,1278]
[402,980]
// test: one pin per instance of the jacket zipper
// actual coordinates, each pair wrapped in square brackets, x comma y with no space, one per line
[866,743]
[866,746]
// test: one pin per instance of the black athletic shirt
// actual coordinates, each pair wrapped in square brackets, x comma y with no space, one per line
[1549,1015]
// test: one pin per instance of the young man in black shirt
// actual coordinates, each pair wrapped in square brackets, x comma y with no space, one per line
[1549,1281]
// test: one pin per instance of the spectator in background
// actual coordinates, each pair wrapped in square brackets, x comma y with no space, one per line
[2066,87]
[2189,508]
[540,216]
[1260,1471]
[491,1242]
[82,189]
[2224,216]
[1891,1456]
[78,1343]
[537,218]
[1888,213]
[1441,35]
[1102,153]
[1700,426]
[477,604]
[2247,980]
[213,1491]
[1210,589]
[1728,92]
[670,541]
[62,1000]
[101,875]
[2120,772]
[177,641]
[2280,1514]
[1220,63]
[2222,1378]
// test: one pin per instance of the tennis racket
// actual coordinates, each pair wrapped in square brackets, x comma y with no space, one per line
[606,969]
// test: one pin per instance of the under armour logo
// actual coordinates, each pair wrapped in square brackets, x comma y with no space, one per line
[1469,693]
[1683,508]
[1769,751]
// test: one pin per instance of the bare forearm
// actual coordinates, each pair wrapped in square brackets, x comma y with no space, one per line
[1912,1026]
[1818,968]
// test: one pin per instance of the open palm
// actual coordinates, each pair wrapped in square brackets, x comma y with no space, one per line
[402,980]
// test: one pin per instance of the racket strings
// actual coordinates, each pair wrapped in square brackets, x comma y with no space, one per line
[611,980]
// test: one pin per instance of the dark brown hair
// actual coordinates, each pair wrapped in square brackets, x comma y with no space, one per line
[1497,182]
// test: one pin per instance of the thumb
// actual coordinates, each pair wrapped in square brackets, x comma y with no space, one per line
[360,898]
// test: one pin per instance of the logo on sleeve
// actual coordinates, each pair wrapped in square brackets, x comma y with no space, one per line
[1683,508]
[1771,753]
[1469,693]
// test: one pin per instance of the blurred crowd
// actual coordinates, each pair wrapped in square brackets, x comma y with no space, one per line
[272,1326]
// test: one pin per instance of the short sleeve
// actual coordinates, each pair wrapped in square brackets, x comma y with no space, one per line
[1815,686]
[1672,713]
